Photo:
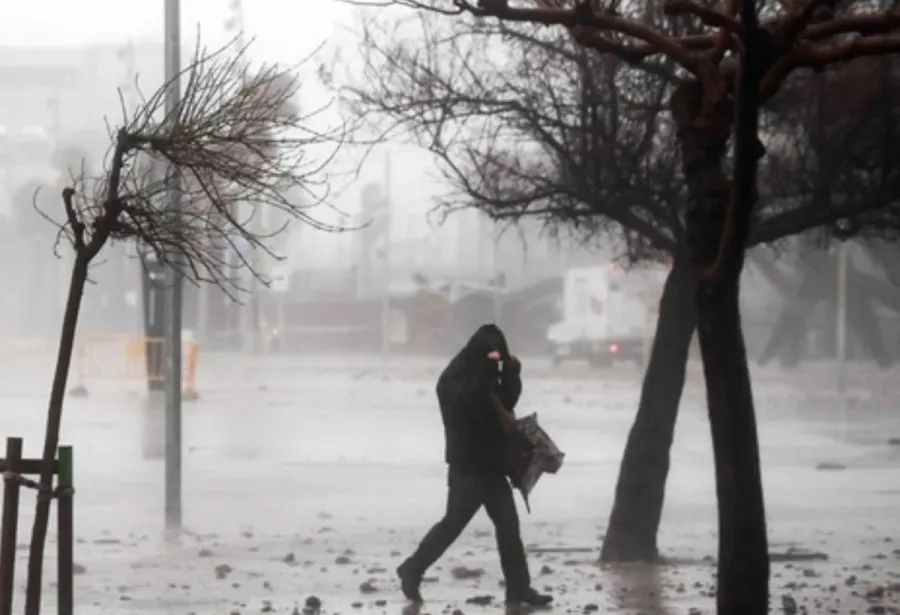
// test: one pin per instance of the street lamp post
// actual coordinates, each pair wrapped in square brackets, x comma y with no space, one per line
[841,325]
[173,508]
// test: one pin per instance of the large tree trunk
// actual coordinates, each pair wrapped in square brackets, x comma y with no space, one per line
[718,221]
[640,490]
[743,571]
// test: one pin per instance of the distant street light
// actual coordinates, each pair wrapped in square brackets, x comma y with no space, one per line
[386,321]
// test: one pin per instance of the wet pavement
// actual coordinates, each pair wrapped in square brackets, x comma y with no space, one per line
[313,479]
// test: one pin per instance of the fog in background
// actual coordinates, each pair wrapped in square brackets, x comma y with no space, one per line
[59,84]
[311,437]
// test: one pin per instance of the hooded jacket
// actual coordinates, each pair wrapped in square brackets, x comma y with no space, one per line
[473,430]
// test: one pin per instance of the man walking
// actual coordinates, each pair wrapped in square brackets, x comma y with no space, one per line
[477,393]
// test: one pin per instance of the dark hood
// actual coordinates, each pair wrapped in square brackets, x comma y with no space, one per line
[471,368]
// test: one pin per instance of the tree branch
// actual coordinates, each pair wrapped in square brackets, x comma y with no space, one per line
[657,41]
[707,14]
[234,146]
[812,55]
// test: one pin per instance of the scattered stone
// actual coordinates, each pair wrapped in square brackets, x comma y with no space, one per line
[381,602]
[107,541]
[313,602]
[462,573]
[357,605]
[342,560]
[222,570]
[204,552]
[830,465]
[78,569]
[267,606]
[545,569]
[290,558]
[484,600]
[794,554]
[368,587]
[789,605]
[591,607]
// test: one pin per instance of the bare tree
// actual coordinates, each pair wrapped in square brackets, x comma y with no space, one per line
[228,146]
[740,57]
[573,149]
[589,148]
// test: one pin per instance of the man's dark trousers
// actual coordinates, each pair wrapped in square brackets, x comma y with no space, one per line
[468,492]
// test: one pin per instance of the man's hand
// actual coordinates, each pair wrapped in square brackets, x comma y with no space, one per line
[508,420]
[512,366]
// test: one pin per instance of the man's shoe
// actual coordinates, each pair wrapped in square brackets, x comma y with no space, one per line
[410,582]
[528,597]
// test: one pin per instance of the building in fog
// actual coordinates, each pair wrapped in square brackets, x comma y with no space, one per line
[53,106]
[55,98]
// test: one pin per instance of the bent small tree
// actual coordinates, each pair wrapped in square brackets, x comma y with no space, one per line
[225,112]
[588,146]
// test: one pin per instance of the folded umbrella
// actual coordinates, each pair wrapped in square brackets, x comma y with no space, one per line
[530,453]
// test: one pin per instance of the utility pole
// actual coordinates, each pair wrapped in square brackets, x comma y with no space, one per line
[249,310]
[386,255]
[58,279]
[173,506]
[153,298]
[841,325]
[498,281]
[234,25]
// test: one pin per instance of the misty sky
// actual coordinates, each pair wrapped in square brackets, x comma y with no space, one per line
[282,31]
[285,31]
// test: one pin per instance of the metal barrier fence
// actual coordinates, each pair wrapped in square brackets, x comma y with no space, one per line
[129,358]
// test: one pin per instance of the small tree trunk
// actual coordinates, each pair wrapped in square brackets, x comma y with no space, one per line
[51,437]
[640,491]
